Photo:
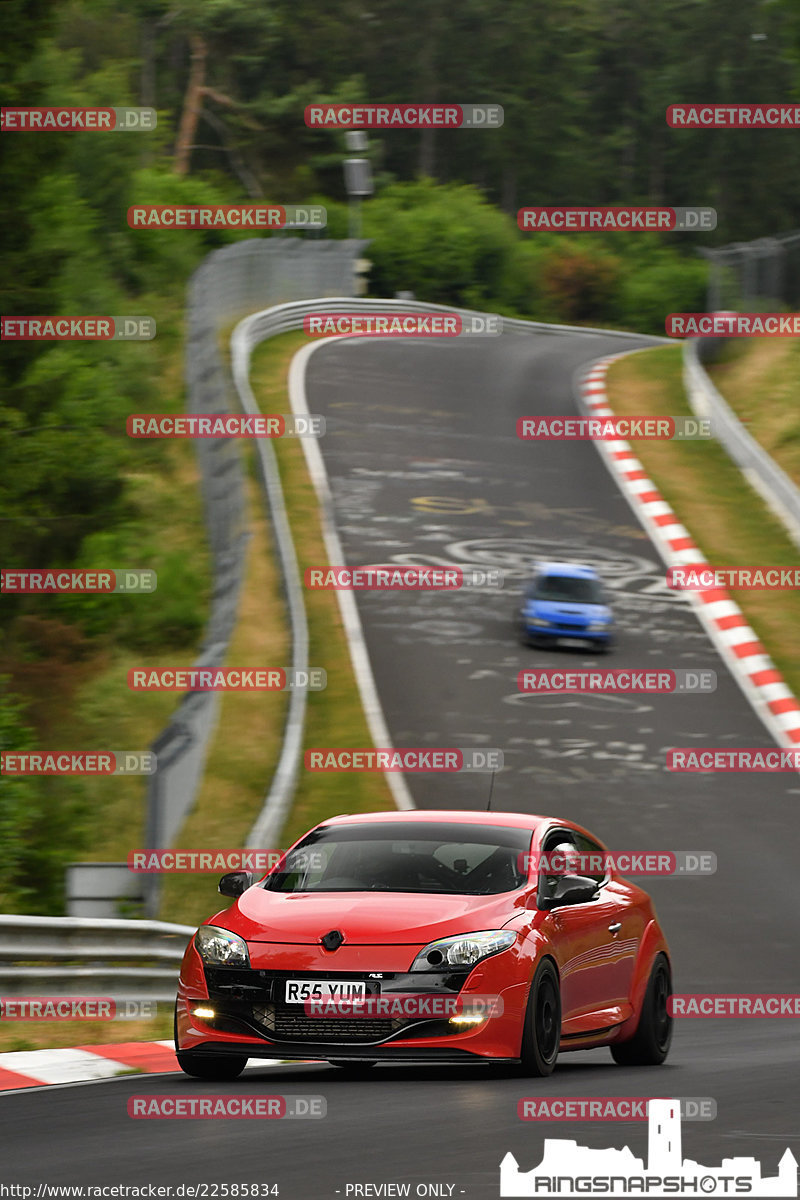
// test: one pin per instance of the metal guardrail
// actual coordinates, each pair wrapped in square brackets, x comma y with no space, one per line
[762,473]
[93,957]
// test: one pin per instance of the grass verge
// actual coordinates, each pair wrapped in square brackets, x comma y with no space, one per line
[728,520]
[760,379]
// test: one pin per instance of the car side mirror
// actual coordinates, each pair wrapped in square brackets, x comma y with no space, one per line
[235,883]
[570,889]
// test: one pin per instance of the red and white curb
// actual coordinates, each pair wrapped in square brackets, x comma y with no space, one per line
[81,1064]
[32,1068]
[748,661]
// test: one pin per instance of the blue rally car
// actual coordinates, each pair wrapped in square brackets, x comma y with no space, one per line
[565,600]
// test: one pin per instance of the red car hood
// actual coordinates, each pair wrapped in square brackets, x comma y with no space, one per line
[365,918]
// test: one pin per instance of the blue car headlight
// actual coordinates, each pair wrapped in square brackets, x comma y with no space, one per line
[463,950]
[221,948]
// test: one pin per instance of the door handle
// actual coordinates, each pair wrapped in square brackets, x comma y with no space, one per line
[615,927]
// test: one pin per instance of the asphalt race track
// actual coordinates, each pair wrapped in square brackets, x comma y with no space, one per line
[425,468]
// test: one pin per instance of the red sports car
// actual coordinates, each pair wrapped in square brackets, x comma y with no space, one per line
[445,909]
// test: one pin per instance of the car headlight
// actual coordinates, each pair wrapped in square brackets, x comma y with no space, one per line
[595,626]
[221,948]
[463,950]
[538,621]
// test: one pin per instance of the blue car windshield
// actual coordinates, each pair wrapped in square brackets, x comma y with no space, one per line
[566,588]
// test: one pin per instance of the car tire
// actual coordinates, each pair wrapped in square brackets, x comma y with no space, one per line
[207,1066]
[649,1046]
[541,1035]
[211,1066]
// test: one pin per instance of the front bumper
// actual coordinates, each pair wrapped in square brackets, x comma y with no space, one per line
[251,1018]
[568,632]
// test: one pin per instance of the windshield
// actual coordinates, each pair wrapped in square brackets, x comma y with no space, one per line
[566,588]
[458,859]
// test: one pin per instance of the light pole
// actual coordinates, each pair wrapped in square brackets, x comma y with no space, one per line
[357,178]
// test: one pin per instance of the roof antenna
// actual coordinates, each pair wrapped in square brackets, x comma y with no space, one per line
[491,789]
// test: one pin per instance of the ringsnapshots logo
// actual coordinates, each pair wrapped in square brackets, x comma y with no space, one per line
[567,1169]
[227,216]
[612,429]
[619,680]
[181,1107]
[224,425]
[54,580]
[398,324]
[78,762]
[403,579]
[227,679]
[97,120]
[732,325]
[404,116]
[606,218]
[407,758]
[77,329]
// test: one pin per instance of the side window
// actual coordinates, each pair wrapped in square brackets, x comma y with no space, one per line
[556,840]
[594,868]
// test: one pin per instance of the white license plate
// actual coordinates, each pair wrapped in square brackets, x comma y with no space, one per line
[298,991]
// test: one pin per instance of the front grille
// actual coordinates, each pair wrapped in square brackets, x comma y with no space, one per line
[281,1022]
[324,1029]
[252,1000]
